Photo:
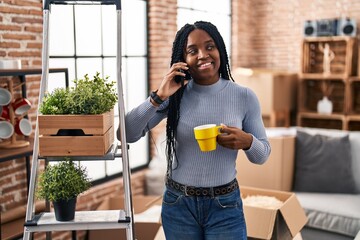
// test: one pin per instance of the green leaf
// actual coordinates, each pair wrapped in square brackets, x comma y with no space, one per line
[89,96]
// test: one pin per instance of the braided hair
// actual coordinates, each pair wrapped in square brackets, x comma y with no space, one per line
[178,49]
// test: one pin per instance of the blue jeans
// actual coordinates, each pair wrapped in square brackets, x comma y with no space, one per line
[203,218]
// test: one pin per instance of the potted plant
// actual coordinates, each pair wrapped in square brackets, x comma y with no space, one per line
[60,184]
[78,121]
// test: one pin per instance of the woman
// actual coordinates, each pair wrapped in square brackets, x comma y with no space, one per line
[202,197]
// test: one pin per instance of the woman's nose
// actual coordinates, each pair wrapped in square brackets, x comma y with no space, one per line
[203,54]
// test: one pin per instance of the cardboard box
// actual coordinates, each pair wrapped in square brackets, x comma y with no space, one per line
[282,223]
[146,217]
[274,89]
[160,235]
[276,173]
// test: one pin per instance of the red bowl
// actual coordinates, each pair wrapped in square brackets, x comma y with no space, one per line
[21,106]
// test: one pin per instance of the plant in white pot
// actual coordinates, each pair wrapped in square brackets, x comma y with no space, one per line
[60,184]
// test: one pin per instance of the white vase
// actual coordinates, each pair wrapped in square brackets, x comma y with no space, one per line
[324,106]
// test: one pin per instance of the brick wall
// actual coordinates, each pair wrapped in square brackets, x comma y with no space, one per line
[270,31]
[265,34]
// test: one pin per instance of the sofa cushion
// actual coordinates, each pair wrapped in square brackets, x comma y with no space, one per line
[354,137]
[338,213]
[355,155]
[323,164]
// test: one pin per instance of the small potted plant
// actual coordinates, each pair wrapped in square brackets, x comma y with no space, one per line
[60,184]
[83,116]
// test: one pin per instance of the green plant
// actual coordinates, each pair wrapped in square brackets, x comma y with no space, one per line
[62,181]
[89,96]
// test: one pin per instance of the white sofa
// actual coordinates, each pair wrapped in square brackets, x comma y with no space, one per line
[333,209]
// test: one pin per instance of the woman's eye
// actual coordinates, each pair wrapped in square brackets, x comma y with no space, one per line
[211,47]
[191,51]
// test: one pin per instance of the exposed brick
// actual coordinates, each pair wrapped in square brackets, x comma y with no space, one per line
[20,11]
[24,3]
[34,29]
[25,54]
[6,27]
[18,36]
[9,45]
[34,45]
[26,20]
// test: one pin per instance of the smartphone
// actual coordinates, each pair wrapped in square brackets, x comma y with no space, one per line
[180,79]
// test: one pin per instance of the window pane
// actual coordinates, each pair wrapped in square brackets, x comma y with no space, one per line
[135,28]
[136,75]
[96,169]
[213,6]
[57,80]
[88,30]
[109,25]
[110,68]
[61,33]
[113,167]
[88,66]
[185,3]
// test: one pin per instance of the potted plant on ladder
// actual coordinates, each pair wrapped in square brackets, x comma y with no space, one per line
[60,184]
[78,121]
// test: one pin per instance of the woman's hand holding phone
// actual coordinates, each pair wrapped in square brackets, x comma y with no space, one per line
[173,80]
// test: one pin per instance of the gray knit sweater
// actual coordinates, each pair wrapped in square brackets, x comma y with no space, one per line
[222,102]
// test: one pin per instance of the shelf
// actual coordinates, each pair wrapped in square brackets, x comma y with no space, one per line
[320,76]
[353,122]
[326,39]
[84,220]
[110,155]
[310,92]
[316,120]
[340,60]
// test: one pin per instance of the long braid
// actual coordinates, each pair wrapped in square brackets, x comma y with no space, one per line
[178,48]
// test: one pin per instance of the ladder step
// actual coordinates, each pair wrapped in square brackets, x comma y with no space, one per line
[84,220]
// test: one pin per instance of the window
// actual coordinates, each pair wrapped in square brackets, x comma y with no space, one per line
[82,38]
[214,11]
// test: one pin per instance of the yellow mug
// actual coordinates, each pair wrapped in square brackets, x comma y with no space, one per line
[205,135]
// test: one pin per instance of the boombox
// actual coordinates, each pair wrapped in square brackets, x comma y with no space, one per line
[330,27]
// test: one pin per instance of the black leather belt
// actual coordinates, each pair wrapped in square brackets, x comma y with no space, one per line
[203,191]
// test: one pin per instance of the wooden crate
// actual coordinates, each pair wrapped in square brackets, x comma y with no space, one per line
[76,135]
[314,120]
[310,93]
[354,99]
[353,122]
[345,52]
